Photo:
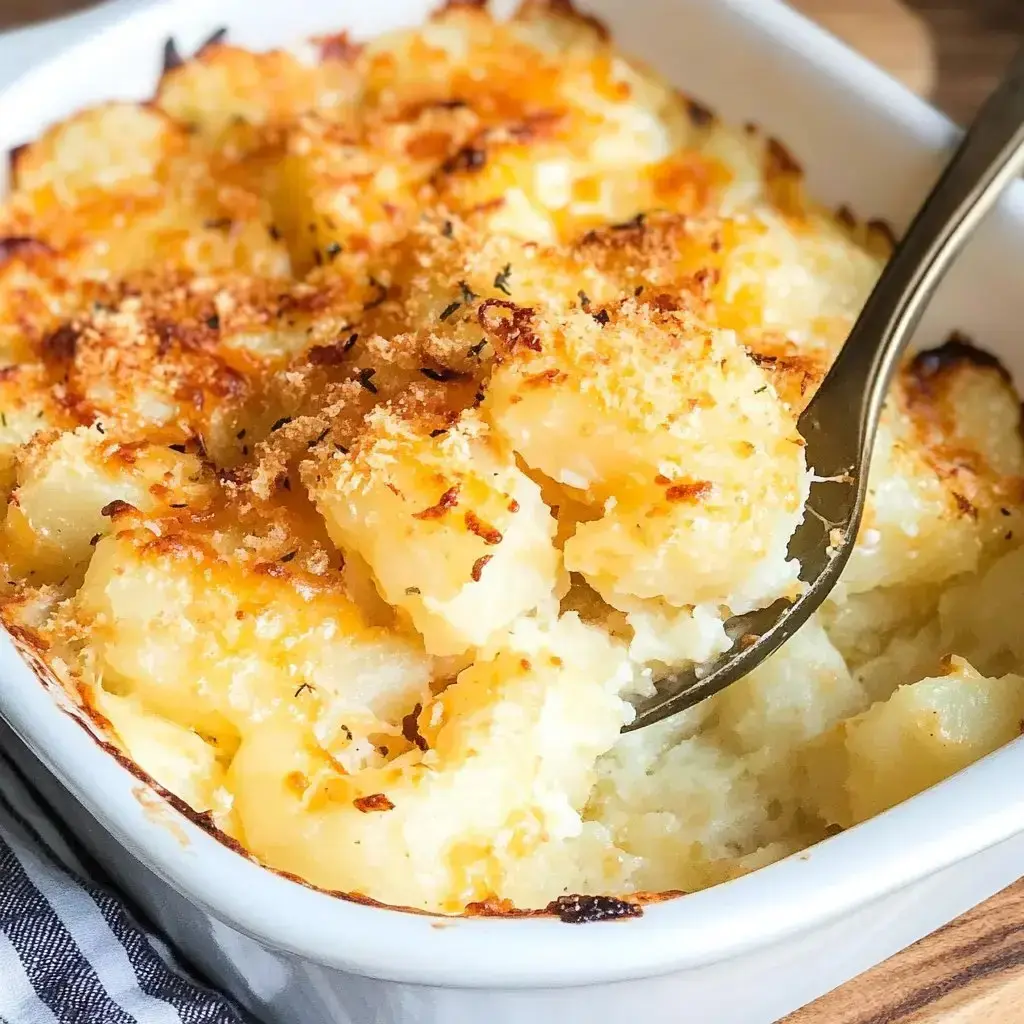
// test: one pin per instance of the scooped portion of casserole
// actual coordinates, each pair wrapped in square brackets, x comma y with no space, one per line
[377,418]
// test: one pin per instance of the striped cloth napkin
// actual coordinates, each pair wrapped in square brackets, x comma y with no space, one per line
[71,952]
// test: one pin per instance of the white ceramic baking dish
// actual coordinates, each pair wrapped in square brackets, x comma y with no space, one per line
[750,950]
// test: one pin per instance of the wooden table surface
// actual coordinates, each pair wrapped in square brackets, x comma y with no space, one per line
[971,971]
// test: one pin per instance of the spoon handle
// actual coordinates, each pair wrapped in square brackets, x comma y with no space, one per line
[990,155]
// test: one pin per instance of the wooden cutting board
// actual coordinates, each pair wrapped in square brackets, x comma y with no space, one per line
[970,972]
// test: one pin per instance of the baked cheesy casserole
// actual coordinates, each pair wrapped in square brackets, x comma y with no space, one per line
[376,419]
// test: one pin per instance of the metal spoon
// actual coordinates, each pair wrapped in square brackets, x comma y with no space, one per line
[840,423]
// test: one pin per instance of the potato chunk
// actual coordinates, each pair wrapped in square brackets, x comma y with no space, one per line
[944,487]
[484,808]
[120,146]
[27,407]
[979,617]
[693,796]
[455,534]
[224,89]
[923,733]
[795,695]
[803,277]
[674,436]
[349,188]
[174,756]
[64,484]
[122,188]
[282,647]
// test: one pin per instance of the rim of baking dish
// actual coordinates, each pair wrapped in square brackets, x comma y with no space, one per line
[806,890]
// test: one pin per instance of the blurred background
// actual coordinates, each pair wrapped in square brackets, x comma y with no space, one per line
[951,51]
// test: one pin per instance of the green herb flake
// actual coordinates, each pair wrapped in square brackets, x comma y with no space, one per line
[501,279]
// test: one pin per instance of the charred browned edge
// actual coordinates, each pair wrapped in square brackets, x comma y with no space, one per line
[29,642]
[13,156]
[876,235]
[845,217]
[780,163]
[925,375]
[60,344]
[337,46]
[512,331]
[31,646]
[700,115]
[575,909]
[779,160]
[456,5]
[567,908]
[884,229]
[958,350]
[928,372]
[19,246]
[784,179]
[782,166]
[172,57]
[215,38]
